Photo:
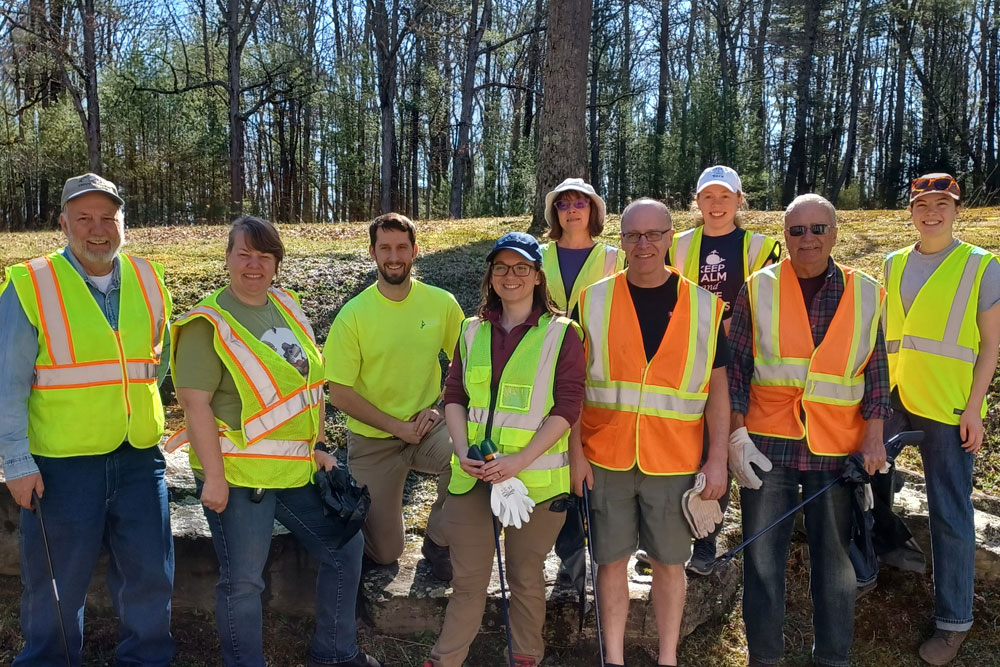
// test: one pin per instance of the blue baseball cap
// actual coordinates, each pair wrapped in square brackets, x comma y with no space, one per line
[523,244]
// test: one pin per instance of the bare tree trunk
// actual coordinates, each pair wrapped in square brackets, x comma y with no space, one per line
[657,184]
[562,132]
[796,172]
[461,159]
[235,51]
[852,128]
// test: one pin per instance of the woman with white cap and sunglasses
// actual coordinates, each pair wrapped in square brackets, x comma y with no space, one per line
[942,335]
[718,254]
[574,260]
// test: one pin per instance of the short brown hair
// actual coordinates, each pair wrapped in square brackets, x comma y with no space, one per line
[260,235]
[396,221]
[595,226]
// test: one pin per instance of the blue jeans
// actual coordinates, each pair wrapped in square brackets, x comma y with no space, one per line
[831,576]
[948,473]
[241,535]
[118,500]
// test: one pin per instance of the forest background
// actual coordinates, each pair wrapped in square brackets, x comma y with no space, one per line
[333,110]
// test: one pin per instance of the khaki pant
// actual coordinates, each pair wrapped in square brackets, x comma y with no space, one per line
[382,464]
[473,556]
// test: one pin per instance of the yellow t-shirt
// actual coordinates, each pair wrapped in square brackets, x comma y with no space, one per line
[387,351]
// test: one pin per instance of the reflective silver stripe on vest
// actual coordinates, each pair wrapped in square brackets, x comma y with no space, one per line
[931,346]
[631,399]
[703,302]
[610,260]
[105,372]
[870,298]
[765,314]
[274,416]
[836,391]
[255,371]
[784,369]
[753,251]
[536,414]
[294,309]
[683,247]
[54,319]
[598,295]
[141,370]
[150,286]
[550,462]
[262,449]
[960,302]
[469,335]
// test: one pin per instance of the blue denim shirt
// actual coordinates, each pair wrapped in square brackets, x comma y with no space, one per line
[18,350]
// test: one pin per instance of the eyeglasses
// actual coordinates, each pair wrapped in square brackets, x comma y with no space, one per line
[819,229]
[579,204]
[652,237]
[939,184]
[520,270]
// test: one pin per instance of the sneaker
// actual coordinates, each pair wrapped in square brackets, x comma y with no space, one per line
[362,659]
[702,558]
[524,661]
[942,647]
[438,557]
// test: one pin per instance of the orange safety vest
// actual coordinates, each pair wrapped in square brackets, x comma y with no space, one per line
[799,390]
[650,413]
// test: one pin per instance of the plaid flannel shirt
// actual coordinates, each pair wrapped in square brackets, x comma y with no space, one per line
[875,404]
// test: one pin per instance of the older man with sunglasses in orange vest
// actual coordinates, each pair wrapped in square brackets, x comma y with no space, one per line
[82,347]
[809,385]
[656,375]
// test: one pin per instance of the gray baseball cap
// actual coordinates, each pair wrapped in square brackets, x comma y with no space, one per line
[79,185]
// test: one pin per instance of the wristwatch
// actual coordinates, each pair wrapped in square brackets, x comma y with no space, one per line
[322,446]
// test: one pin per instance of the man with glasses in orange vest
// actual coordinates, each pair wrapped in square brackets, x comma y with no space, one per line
[82,351]
[809,385]
[656,358]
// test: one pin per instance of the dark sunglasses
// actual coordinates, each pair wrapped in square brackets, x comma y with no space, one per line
[565,204]
[939,184]
[818,229]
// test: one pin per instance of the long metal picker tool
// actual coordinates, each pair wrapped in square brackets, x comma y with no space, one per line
[893,447]
[36,505]
[589,543]
[477,455]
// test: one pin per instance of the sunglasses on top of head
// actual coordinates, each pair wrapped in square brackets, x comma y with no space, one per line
[818,229]
[939,184]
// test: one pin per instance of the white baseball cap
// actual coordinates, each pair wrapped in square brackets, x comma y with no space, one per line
[720,175]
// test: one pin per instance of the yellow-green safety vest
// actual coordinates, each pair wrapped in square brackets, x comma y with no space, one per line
[84,367]
[603,261]
[933,347]
[523,401]
[685,252]
[280,413]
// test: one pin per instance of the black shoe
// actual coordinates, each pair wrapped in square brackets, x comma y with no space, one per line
[702,558]
[438,558]
[362,659]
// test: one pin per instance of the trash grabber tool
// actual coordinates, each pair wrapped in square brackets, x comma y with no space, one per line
[477,455]
[36,505]
[588,541]
[893,447]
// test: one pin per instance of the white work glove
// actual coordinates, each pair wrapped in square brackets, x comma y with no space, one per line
[702,515]
[742,452]
[869,502]
[510,502]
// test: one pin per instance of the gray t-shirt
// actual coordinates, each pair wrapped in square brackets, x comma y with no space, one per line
[920,266]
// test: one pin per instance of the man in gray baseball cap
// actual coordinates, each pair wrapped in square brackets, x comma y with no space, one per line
[79,432]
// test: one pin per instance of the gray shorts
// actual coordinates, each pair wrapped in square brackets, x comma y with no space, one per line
[630,507]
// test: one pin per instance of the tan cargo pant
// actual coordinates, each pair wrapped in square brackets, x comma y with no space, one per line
[382,464]
[473,556]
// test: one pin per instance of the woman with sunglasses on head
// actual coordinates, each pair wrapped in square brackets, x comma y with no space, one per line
[718,254]
[515,385]
[942,334]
